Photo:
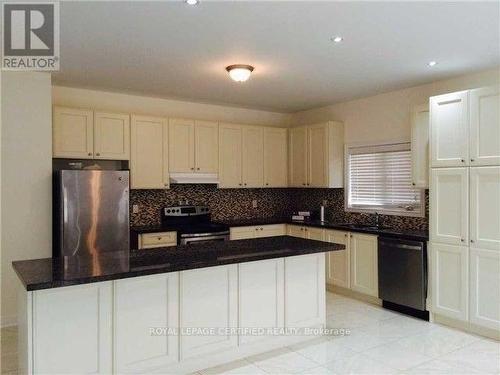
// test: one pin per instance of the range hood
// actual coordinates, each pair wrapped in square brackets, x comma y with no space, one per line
[194,178]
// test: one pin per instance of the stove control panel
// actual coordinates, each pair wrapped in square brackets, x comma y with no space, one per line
[186,211]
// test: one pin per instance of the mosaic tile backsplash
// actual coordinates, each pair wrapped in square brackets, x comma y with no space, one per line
[230,204]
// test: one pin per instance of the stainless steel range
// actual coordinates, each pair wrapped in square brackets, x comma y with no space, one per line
[193,224]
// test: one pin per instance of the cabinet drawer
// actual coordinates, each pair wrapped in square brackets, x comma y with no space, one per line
[150,240]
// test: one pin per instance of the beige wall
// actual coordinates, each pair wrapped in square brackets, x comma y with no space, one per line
[164,107]
[386,116]
[26,170]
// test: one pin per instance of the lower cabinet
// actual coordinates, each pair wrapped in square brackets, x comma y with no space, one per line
[145,308]
[449,280]
[154,240]
[76,321]
[261,284]
[484,295]
[364,263]
[257,231]
[337,262]
[305,290]
[208,300]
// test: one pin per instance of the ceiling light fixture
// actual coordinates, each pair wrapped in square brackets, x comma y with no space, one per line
[432,63]
[336,39]
[239,72]
[192,2]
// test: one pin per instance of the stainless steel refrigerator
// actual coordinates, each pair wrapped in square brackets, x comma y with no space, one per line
[91,212]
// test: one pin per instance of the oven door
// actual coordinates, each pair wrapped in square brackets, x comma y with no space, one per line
[205,237]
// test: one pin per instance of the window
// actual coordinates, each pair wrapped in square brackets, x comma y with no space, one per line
[379,179]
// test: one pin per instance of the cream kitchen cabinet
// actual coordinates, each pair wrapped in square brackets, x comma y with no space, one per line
[193,146]
[111,136]
[149,153]
[275,157]
[257,231]
[420,146]
[230,160]
[485,208]
[338,262]
[140,304]
[484,276]
[253,156]
[261,283]
[89,308]
[485,126]
[73,133]
[449,280]
[305,296]
[83,134]
[306,232]
[449,205]
[316,155]
[208,299]
[159,239]
[364,263]
[450,130]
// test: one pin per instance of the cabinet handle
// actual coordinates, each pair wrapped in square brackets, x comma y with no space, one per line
[90,154]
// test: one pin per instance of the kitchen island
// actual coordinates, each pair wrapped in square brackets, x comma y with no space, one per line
[178,309]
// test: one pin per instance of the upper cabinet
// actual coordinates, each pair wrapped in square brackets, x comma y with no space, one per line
[450,130]
[275,157]
[73,133]
[83,134]
[252,156]
[111,136]
[465,128]
[485,126]
[316,155]
[193,146]
[149,153]
[420,146]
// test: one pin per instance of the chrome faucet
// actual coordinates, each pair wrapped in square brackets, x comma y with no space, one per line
[377,219]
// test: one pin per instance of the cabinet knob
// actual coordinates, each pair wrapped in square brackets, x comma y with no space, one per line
[239,184]
[472,160]
[471,241]
[413,183]
[165,184]
[192,168]
[345,235]
[462,160]
[198,168]
[301,228]
[90,154]
[305,229]
[159,238]
[98,154]
[256,228]
[303,184]
[245,184]
[261,228]
[351,235]
[462,240]
[267,184]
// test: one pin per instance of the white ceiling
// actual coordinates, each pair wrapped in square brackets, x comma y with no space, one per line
[173,50]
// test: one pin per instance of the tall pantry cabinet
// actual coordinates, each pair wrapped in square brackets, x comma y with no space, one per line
[465,207]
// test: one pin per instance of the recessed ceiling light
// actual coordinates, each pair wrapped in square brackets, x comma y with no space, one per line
[336,39]
[432,63]
[239,72]
[192,2]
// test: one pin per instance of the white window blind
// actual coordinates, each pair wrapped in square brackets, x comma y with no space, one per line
[380,180]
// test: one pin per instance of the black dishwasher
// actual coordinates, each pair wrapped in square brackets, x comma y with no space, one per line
[402,275]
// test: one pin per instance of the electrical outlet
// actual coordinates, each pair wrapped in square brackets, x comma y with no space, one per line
[135,208]
[325,202]
[254,203]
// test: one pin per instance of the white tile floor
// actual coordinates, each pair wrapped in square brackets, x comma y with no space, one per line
[381,342]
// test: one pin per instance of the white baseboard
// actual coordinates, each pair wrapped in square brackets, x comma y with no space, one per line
[8,321]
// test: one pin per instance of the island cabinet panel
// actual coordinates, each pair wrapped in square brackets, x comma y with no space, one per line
[72,330]
[145,309]
[208,300]
[260,297]
[305,291]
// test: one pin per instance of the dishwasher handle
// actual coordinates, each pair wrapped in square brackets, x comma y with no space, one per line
[401,246]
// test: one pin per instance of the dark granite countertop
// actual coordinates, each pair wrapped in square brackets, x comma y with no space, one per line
[388,232]
[59,272]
